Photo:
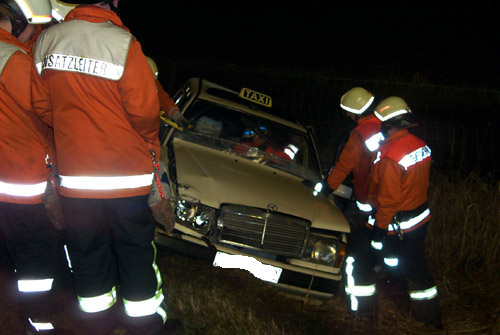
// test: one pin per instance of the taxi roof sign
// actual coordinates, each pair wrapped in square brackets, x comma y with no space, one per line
[259,98]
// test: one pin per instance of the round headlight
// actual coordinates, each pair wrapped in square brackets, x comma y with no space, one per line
[202,219]
[323,252]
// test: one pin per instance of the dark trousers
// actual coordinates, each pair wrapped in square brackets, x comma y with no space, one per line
[110,244]
[35,249]
[412,267]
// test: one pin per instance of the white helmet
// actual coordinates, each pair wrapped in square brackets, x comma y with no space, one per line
[24,12]
[391,107]
[356,100]
[393,111]
[153,65]
[60,9]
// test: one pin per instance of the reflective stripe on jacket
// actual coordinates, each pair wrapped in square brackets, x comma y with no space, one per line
[23,172]
[400,179]
[357,157]
[105,110]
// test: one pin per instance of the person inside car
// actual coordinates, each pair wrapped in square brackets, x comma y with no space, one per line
[260,140]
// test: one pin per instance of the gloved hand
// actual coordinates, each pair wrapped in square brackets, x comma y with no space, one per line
[180,120]
[378,237]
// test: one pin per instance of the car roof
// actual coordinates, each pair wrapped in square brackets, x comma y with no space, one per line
[209,91]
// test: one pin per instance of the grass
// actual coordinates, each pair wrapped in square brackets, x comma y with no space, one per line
[463,252]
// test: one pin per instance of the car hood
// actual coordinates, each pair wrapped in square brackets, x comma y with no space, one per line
[214,177]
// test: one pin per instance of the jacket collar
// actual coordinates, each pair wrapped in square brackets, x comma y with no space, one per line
[398,134]
[7,37]
[95,14]
[365,118]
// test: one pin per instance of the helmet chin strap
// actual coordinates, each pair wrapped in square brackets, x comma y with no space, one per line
[384,129]
[18,26]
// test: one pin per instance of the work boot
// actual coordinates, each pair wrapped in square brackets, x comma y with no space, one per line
[174,327]
[428,312]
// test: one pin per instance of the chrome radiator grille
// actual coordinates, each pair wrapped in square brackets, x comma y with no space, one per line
[257,229]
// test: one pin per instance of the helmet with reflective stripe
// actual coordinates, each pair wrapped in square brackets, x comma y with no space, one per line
[93,2]
[393,111]
[83,2]
[22,12]
[357,100]
[153,65]
[60,9]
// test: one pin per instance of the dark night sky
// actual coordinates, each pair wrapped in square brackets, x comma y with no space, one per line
[447,43]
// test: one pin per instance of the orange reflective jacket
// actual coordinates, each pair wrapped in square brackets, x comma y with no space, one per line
[400,180]
[167,105]
[24,139]
[357,157]
[105,107]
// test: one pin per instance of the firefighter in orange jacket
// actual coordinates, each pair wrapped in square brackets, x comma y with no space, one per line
[359,152]
[167,105]
[105,113]
[33,244]
[398,191]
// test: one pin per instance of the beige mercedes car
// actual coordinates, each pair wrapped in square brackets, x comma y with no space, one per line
[247,192]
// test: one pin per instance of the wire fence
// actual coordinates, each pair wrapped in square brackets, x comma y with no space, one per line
[460,124]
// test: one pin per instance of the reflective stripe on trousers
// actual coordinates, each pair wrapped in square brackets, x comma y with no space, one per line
[391,261]
[354,290]
[152,305]
[40,326]
[99,303]
[426,294]
[34,285]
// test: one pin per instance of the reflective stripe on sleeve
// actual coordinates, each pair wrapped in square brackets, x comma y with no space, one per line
[364,207]
[291,150]
[23,190]
[427,294]
[35,285]
[106,183]
[99,303]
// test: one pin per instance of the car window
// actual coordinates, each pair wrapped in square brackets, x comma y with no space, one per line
[251,137]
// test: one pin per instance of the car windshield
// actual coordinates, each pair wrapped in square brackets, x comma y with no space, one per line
[251,137]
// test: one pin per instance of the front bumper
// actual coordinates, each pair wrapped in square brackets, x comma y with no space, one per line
[298,280]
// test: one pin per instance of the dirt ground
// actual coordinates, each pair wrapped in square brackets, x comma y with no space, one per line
[196,290]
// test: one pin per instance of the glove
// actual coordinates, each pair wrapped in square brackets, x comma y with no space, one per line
[378,237]
[180,120]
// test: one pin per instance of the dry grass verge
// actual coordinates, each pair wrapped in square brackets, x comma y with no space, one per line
[463,252]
